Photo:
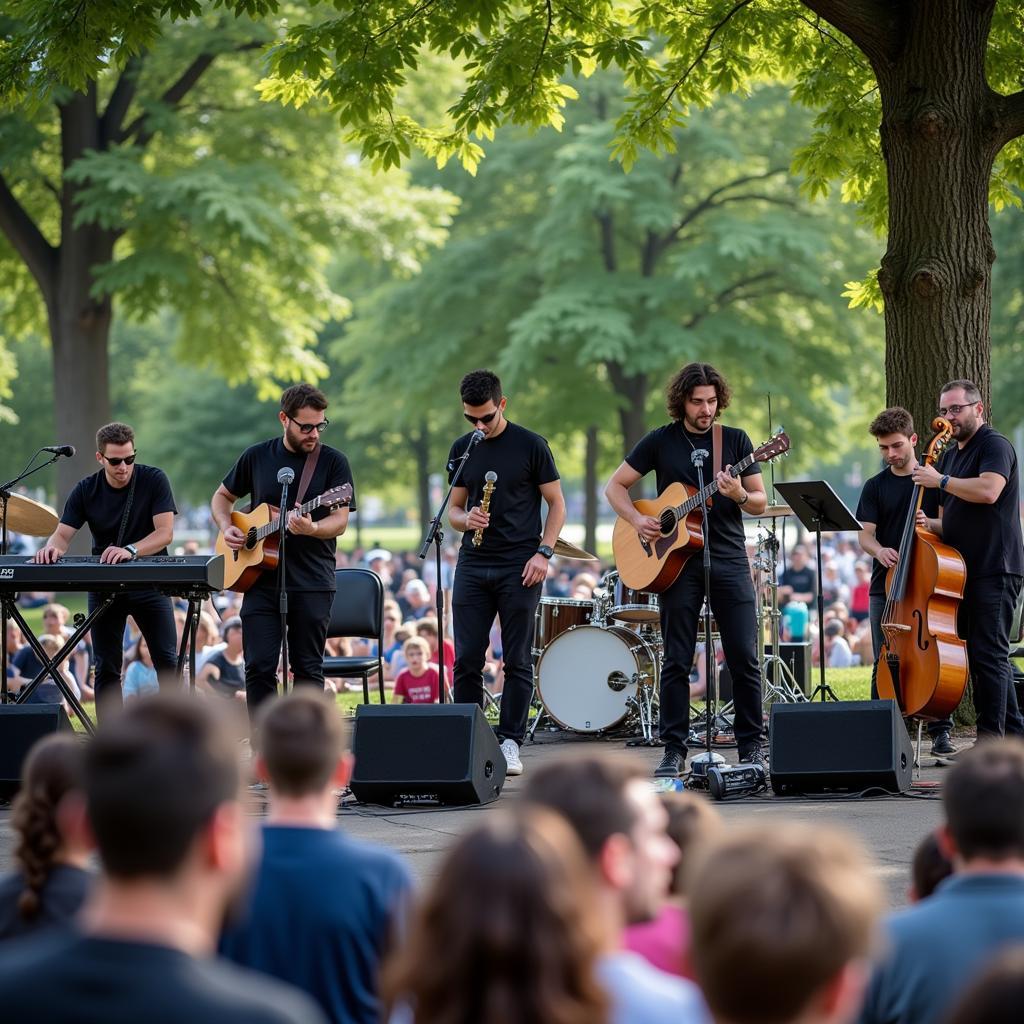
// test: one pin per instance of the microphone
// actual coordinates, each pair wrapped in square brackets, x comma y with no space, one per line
[285,475]
[698,456]
[476,437]
[60,449]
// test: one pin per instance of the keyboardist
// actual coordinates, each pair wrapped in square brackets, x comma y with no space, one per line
[130,511]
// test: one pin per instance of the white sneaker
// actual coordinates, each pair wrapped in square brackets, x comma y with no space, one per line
[510,751]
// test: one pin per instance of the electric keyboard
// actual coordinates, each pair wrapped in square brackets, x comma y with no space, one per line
[178,575]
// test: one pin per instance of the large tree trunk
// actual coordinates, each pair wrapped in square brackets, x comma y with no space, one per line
[631,390]
[939,143]
[419,442]
[590,485]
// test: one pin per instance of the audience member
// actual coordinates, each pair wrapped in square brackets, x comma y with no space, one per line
[664,941]
[621,823]
[837,650]
[930,867]
[798,582]
[51,850]
[223,672]
[427,628]
[161,781]
[508,933]
[783,921]
[414,600]
[936,946]
[417,684]
[323,907]
[996,995]
[140,677]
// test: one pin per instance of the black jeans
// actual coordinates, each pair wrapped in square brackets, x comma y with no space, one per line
[480,593]
[154,615]
[877,608]
[309,611]
[732,604]
[986,614]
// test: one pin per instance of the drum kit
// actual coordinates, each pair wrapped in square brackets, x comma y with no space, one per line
[597,661]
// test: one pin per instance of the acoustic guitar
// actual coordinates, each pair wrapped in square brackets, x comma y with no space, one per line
[655,565]
[261,527]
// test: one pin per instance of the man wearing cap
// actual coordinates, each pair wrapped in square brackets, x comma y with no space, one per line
[378,560]
[414,600]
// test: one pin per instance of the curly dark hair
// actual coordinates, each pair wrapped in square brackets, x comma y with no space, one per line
[479,387]
[695,375]
[895,420]
[517,926]
[52,769]
[114,433]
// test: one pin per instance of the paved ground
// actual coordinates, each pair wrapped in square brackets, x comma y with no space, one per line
[890,827]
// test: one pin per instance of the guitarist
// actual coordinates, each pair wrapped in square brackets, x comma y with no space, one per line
[311,544]
[696,396]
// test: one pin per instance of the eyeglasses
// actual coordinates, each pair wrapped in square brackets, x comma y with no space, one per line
[128,460]
[953,410]
[481,419]
[308,428]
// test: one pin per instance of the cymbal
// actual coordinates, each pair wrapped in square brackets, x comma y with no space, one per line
[774,512]
[33,518]
[563,549]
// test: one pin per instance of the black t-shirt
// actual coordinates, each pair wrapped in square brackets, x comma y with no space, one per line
[803,581]
[988,536]
[95,502]
[309,561]
[231,678]
[75,979]
[62,895]
[523,462]
[667,450]
[885,501]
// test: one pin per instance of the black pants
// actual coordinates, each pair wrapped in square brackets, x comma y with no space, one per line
[480,593]
[732,603]
[877,609]
[986,614]
[154,615]
[309,611]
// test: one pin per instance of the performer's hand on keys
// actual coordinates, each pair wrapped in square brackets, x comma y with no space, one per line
[113,555]
[47,555]
[233,537]
[647,526]
[477,519]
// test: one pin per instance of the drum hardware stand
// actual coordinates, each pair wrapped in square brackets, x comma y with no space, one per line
[779,682]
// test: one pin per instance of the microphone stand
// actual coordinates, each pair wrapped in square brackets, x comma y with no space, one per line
[284,477]
[435,536]
[5,497]
[703,763]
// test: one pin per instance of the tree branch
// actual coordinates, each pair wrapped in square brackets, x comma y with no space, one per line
[543,45]
[40,257]
[120,100]
[607,242]
[727,296]
[876,27]
[1011,117]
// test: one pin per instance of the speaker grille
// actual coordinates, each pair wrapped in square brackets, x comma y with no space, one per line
[395,748]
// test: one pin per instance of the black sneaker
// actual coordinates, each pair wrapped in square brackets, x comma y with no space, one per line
[672,765]
[941,744]
[756,755]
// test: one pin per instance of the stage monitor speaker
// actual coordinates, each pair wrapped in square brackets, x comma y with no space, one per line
[425,753]
[797,658]
[20,726]
[845,746]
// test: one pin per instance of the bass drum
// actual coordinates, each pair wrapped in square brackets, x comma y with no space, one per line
[587,676]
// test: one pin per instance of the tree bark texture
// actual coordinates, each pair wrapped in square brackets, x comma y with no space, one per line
[591,454]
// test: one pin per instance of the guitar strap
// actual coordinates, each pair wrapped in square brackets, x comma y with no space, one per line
[127,510]
[307,474]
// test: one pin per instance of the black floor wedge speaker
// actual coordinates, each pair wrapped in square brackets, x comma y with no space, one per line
[20,726]
[425,753]
[844,746]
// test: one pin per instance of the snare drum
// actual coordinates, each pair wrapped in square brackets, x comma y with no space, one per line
[587,676]
[557,614]
[629,605]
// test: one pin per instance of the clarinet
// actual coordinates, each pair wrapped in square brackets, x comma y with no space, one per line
[490,478]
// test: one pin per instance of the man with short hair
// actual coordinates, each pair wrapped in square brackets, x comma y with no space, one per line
[130,512]
[979,515]
[798,581]
[161,783]
[782,922]
[309,558]
[937,946]
[504,556]
[324,907]
[622,825]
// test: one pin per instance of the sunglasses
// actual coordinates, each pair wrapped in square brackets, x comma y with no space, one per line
[308,428]
[128,460]
[481,419]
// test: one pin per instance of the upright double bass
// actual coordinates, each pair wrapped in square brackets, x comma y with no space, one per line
[923,663]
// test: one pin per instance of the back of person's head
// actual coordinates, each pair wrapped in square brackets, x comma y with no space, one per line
[996,995]
[52,770]
[155,775]
[692,821]
[301,738]
[777,917]
[930,866]
[508,932]
[984,801]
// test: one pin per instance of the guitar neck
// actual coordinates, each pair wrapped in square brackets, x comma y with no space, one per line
[275,524]
[711,489]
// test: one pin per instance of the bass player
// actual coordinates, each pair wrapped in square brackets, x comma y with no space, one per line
[696,397]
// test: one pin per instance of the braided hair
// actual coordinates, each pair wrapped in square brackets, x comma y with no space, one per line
[52,769]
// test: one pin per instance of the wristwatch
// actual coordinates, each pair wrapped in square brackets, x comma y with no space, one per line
[132,550]
[546,550]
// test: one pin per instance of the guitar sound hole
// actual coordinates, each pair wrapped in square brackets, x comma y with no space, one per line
[250,539]
[668,521]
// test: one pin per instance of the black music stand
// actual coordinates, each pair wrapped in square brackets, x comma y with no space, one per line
[820,510]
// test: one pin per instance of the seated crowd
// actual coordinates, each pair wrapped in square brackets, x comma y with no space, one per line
[590,899]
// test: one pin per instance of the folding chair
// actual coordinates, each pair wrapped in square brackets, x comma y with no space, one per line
[358,611]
